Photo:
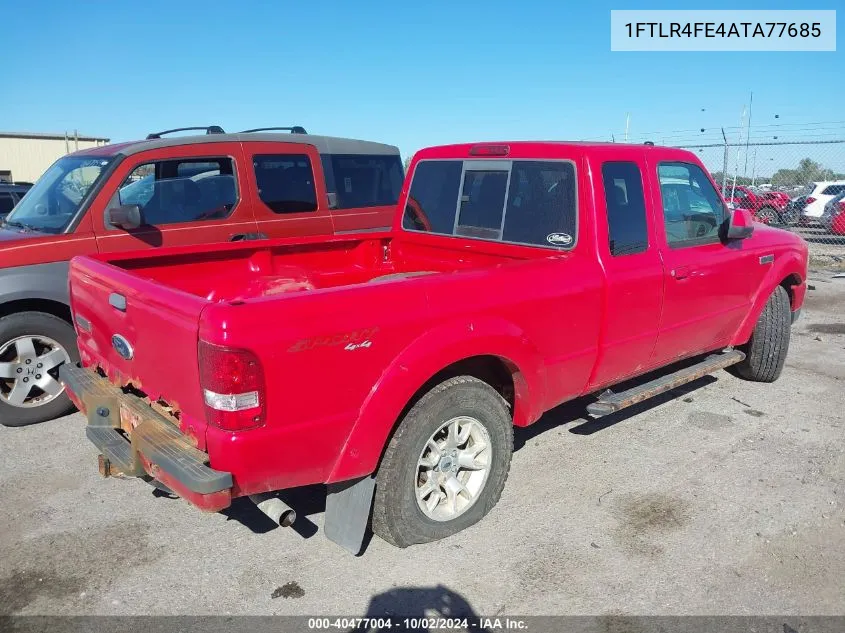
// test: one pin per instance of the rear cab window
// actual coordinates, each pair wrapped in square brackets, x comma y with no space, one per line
[527,202]
[626,210]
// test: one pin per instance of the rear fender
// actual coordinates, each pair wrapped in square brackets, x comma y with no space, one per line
[783,267]
[420,361]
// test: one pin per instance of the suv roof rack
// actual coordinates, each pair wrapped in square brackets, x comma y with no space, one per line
[296,129]
[209,129]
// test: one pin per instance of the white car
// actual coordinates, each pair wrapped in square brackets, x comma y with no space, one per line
[818,194]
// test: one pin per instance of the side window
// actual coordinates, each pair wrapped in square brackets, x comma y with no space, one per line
[7,202]
[175,191]
[626,212]
[692,210]
[285,182]
[833,190]
[542,207]
[363,180]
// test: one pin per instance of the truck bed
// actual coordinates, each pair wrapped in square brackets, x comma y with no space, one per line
[244,273]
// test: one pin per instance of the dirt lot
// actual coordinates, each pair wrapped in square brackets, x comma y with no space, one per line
[728,499]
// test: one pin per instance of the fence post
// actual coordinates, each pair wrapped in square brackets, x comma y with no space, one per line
[724,161]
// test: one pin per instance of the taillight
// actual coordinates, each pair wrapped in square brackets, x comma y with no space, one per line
[232,383]
[810,200]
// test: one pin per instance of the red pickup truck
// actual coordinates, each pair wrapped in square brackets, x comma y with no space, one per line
[393,366]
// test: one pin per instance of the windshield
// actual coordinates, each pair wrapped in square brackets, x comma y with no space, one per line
[53,201]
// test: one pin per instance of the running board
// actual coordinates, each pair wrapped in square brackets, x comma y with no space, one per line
[610,402]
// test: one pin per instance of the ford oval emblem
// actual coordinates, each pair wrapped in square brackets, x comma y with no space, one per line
[562,239]
[122,346]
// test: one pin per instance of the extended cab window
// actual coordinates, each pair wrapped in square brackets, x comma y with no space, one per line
[692,209]
[626,214]
[285,182]
[363,180]
[523,202]
[175,191]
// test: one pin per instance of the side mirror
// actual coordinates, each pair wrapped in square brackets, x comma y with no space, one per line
[740,224]
[126,217]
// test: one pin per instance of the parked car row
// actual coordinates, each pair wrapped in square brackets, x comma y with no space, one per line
[775,207]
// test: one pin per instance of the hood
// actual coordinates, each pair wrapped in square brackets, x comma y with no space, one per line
[11,234]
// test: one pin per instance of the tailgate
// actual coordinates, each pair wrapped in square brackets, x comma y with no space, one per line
[139,331]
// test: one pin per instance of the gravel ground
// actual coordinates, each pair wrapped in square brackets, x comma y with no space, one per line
[729,499]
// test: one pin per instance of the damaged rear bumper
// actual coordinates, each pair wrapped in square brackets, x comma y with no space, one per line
[136,440]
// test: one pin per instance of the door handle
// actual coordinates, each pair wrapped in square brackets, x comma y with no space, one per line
[681,272]
[240,237]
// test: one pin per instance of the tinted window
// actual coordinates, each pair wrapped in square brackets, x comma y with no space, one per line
[174,191]
[692,210]
[833,190]
[7,202]
[363,180]
[541,204]
[540,197]
[482,204]
[433,197]
[626,215]
[285,182]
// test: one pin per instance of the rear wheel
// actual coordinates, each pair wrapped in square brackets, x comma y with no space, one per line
[32,347]
[768,215]
[765,353]
[446,465]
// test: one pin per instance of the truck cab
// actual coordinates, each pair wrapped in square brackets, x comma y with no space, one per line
[167,190]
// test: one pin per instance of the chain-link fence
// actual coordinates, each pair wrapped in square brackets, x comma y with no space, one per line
[797,185]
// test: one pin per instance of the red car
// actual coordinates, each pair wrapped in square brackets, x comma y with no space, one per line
[392,366]
[766,207]
[166,191]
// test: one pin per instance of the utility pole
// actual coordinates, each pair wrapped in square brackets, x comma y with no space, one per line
[748,134]
[627,125]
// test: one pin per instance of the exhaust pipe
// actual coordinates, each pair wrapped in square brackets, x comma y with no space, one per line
[278,511]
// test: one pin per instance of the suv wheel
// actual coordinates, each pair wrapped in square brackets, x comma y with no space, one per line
[32,347]
[765,353]
[446,464]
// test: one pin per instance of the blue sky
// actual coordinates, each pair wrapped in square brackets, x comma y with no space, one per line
[412,74]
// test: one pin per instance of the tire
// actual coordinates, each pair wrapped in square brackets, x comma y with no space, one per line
[770,213]
[49,333]
[765,352]
[398,516]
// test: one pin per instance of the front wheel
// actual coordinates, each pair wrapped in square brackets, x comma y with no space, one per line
[32,347]
[446,465]
[765,353]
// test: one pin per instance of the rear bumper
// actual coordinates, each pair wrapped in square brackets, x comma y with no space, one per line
[136,440]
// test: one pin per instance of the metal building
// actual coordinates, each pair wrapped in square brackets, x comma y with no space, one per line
[24,156]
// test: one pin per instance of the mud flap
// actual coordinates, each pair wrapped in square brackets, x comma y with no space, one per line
[348,506]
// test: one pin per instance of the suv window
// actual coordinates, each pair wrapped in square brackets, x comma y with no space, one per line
[626,214]
[692,210]
[523,202]
[285,182]
[363,180]
[174,191]
[7,202]
[833,190]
